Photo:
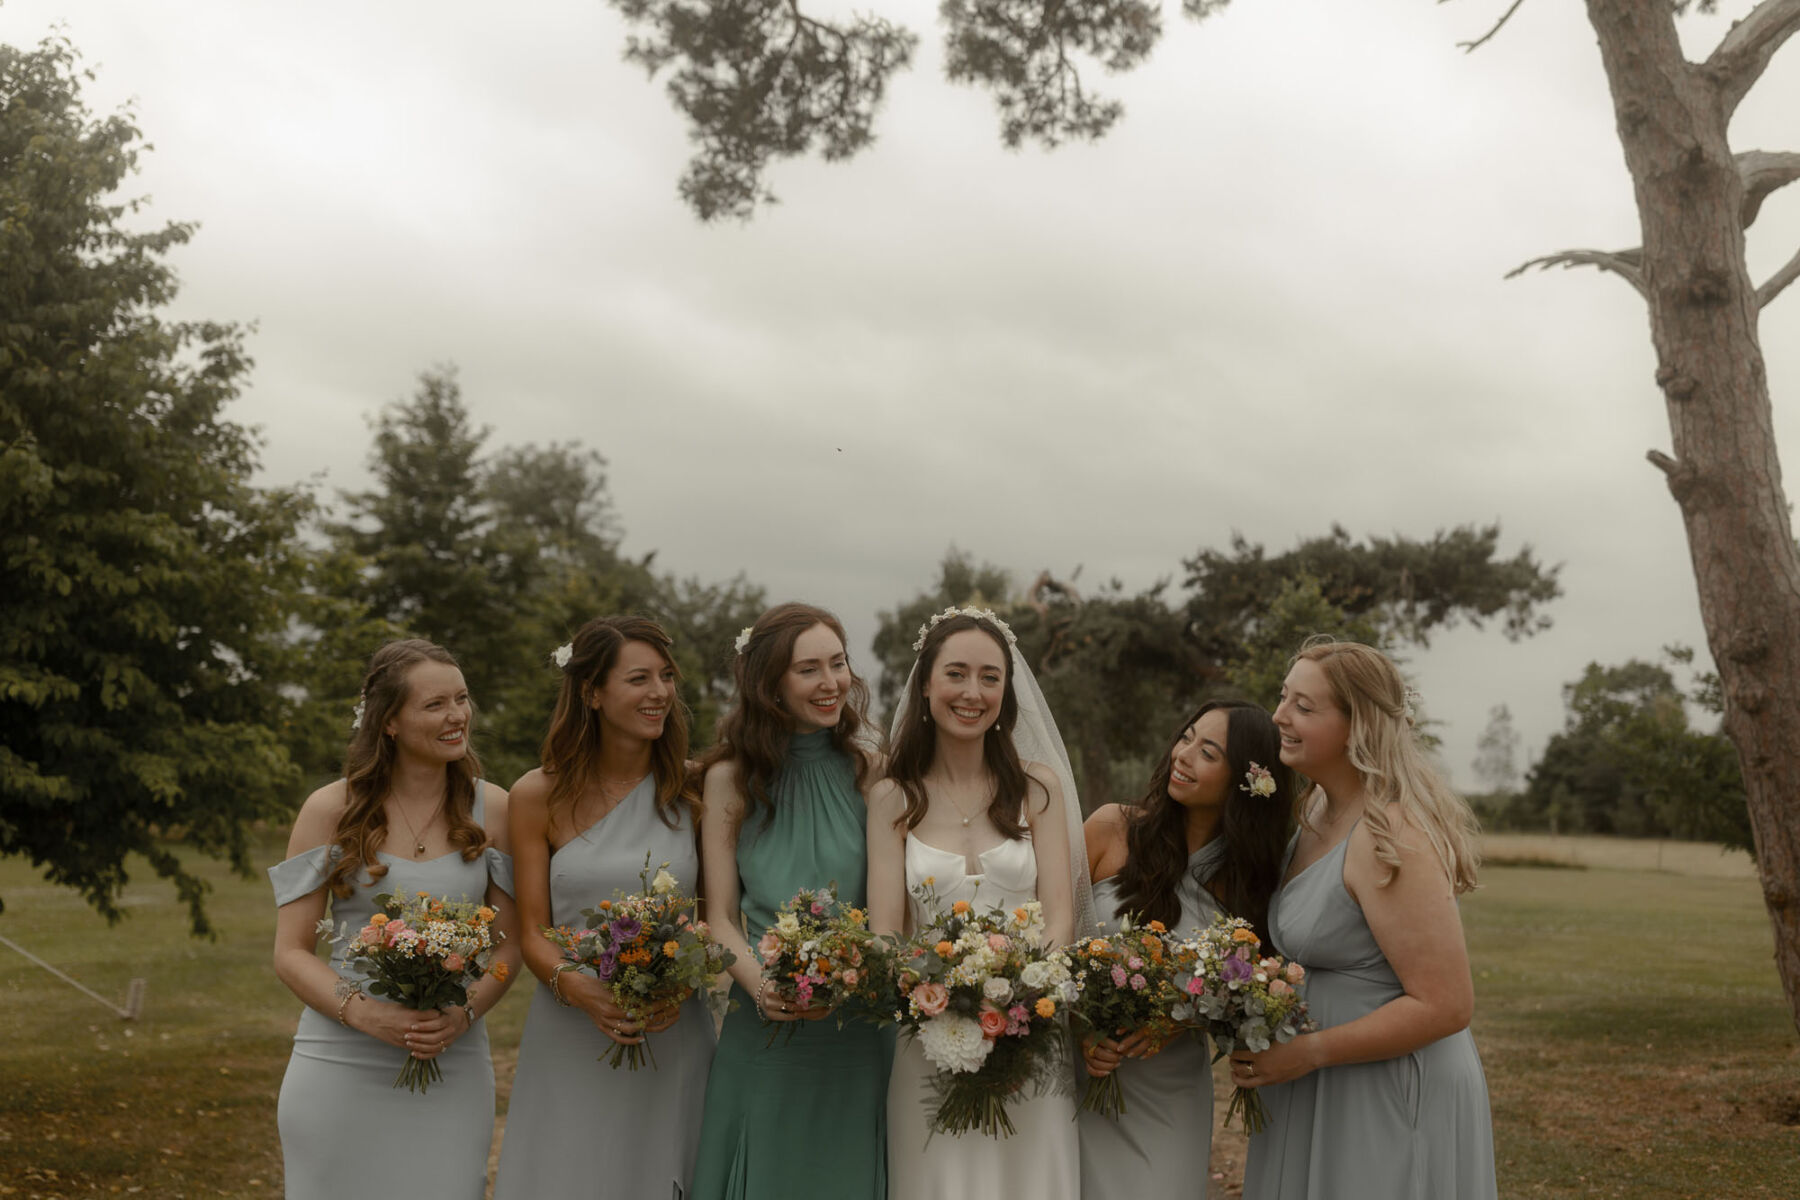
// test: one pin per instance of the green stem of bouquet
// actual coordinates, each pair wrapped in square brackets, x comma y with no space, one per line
[418,1074]
[1104,1096]
[1247,1104]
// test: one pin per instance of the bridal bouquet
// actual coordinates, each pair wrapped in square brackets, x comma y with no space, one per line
[1246,1000]
[1127,982]
[982,999]
[424,953]
[649,947]
[820,951]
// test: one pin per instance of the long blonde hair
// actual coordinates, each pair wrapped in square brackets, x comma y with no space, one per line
[1367,688]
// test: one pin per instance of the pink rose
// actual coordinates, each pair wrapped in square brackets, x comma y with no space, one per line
[1279,987]
[769,945]
[993,1023]
[850,978]
[1196,986]
[997,942]
[453,963]
[1295,972]
[931,998]
[370,936]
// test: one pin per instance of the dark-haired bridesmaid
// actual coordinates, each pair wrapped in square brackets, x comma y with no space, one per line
[611,790]
[1198,844]
[411,815]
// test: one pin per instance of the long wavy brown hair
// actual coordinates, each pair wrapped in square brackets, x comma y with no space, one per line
[369,770]
[1255,828]
[914,745]
[754,734]
[571,750]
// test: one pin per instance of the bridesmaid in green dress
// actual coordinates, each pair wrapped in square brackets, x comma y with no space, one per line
[784,810]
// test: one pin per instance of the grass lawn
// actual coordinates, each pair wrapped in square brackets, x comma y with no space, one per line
[1631,1023]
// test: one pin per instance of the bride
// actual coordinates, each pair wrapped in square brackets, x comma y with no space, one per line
[978,798]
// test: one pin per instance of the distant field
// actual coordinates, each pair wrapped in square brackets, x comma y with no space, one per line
[1623,854]
[1631,1024]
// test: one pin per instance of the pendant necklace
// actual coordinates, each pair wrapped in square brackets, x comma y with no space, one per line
[417,836]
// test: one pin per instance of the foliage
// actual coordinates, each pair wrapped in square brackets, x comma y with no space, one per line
[1118,668]
[149,584]
[759,80]
[1629,762]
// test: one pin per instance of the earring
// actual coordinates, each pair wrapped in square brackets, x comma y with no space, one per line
[925,715]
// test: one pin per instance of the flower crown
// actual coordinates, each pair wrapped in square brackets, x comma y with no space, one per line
[968,610]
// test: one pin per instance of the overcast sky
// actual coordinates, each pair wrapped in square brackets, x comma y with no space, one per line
[1270,300]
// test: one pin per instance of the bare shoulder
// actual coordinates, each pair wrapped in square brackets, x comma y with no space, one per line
[1106,824]
[722,791]
[532,788]
[886,798]
[319,815]
[1419,870]
[1045,778]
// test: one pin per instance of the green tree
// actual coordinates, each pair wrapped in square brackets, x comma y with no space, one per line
[1628,761]
[149,585]
[705,619]
[1696,197]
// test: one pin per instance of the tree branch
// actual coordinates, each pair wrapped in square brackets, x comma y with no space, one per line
[1625,264]
[1772,287]
[1744,53]
[1762,173]
[1471,47]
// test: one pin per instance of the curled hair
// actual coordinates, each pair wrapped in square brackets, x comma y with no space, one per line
[754,734]
[1255,828]
[916,742]
[571,750]
[1367,688]
[369,771]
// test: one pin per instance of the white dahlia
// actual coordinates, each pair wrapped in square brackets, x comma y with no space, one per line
[953,1043]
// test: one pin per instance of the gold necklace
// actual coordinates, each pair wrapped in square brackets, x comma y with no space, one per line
[967,820]
[417,836]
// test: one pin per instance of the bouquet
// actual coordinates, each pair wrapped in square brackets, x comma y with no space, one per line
[820,951]
[982,999]
[1128,982]
[1247,1000]
[650,948]
[424,953]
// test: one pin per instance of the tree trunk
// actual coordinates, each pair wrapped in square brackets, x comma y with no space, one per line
[1725,476]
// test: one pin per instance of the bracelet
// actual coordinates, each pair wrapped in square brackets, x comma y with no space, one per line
[556,981]
[345,1003]
[760,988]
[469,1009]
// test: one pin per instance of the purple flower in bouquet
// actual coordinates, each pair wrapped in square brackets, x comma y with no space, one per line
[1235,970]
[625,929]
[607,965]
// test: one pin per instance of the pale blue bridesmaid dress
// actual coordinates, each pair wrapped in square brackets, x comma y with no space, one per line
[346,1130]
[1161,1145]
[1415,1127]
[566,1104]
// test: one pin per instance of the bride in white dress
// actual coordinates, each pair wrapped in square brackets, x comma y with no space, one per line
[978,798]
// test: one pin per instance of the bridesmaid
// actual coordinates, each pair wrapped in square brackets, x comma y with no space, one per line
[784,810]
[1199,844]
[411,814]
[609,792]
[1388,1097]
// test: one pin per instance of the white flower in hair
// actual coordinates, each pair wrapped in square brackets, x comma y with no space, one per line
[562,654]
[967,610]
[356,714]
[1410,706]
[743,638]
